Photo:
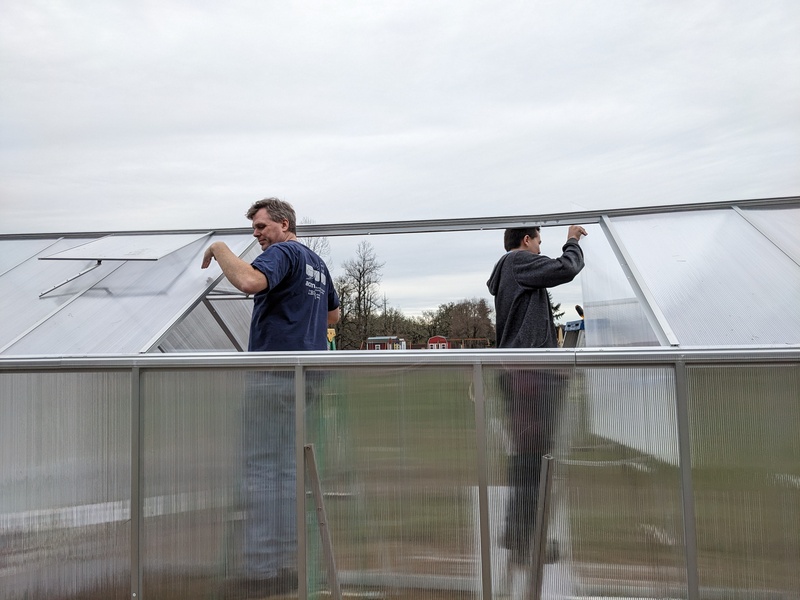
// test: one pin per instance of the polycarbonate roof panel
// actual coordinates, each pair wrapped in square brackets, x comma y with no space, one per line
[15,252]
[613,314]
[236,315]
[131,307]
[197,332]
[127,247]
[781,225]
[20,304]
[717,280]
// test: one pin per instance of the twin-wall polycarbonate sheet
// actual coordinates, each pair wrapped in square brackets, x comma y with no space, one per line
[14,252]
[196,332]
[127,247]
[613,312]
[782,225]
[746,476]
[192,449]
[65,480]
[129,308]
[398,465]
[21,306]
[621,484]
[717,280]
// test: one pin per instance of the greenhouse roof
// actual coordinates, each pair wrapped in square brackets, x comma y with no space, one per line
[699,275]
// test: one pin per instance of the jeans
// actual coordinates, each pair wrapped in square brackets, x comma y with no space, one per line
[270,528]
[532,400]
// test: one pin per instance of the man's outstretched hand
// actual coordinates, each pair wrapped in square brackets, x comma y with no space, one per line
[576,231]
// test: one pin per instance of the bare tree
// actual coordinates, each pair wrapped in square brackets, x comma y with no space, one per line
[359,296]
[320,245]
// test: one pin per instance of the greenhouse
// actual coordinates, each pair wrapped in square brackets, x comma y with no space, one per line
[676,472]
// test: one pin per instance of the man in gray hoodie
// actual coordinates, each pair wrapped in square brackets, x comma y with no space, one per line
[531,397]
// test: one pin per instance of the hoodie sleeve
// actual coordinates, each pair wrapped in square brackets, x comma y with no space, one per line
[538,271]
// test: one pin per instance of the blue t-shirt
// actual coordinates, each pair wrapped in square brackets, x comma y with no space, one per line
[292,313]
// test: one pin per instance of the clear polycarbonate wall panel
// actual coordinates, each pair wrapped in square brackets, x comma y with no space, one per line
[613,313]
[65,485]
[129,308]
[781,225]
[746,475]
[196,332]
[716,279]
[526,417]
[192,440]
[20,301]
[618,485]
[397,457]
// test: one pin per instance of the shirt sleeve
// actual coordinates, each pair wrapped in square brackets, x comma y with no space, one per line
[273,263]
[539,271]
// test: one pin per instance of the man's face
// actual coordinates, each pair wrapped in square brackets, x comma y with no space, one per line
[267,231]
[532,244]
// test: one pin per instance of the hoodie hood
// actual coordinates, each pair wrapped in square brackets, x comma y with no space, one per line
[494,279]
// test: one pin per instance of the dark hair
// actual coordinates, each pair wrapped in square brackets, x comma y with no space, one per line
[512,238]
[278,210]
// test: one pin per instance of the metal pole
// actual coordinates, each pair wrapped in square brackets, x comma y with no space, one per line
[540,529]
[483,481]
[322,519]
[136,488]
[687,488]
[300,482]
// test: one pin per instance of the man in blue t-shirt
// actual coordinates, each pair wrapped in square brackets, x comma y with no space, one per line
[294,302]
[294,296]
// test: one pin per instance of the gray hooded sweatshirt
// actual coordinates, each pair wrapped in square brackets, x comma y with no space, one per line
[519,283]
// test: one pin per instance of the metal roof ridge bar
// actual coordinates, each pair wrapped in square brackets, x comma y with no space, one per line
[458,224]
[767,235]
[59,308]
[653,313]
[162,333]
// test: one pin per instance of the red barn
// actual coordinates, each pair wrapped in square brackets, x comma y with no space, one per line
[438,342]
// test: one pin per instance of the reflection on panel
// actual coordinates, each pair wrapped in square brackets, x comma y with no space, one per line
[525,420]
[64,485]
[614,315]
[192,440]
[746,475]
[619,484]
[716,279]
[397,457]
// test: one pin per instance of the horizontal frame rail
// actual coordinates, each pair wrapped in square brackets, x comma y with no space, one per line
[412,358]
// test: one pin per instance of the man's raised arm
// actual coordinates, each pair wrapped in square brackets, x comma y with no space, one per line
[241,274]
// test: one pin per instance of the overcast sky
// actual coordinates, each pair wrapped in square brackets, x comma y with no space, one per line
[119,115]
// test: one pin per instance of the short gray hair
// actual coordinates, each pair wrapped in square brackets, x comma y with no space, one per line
[278,210]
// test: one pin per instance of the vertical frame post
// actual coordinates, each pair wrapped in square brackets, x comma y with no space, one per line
[136,487]
[300,480]
[541,526]
[483,481]
[687,487]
